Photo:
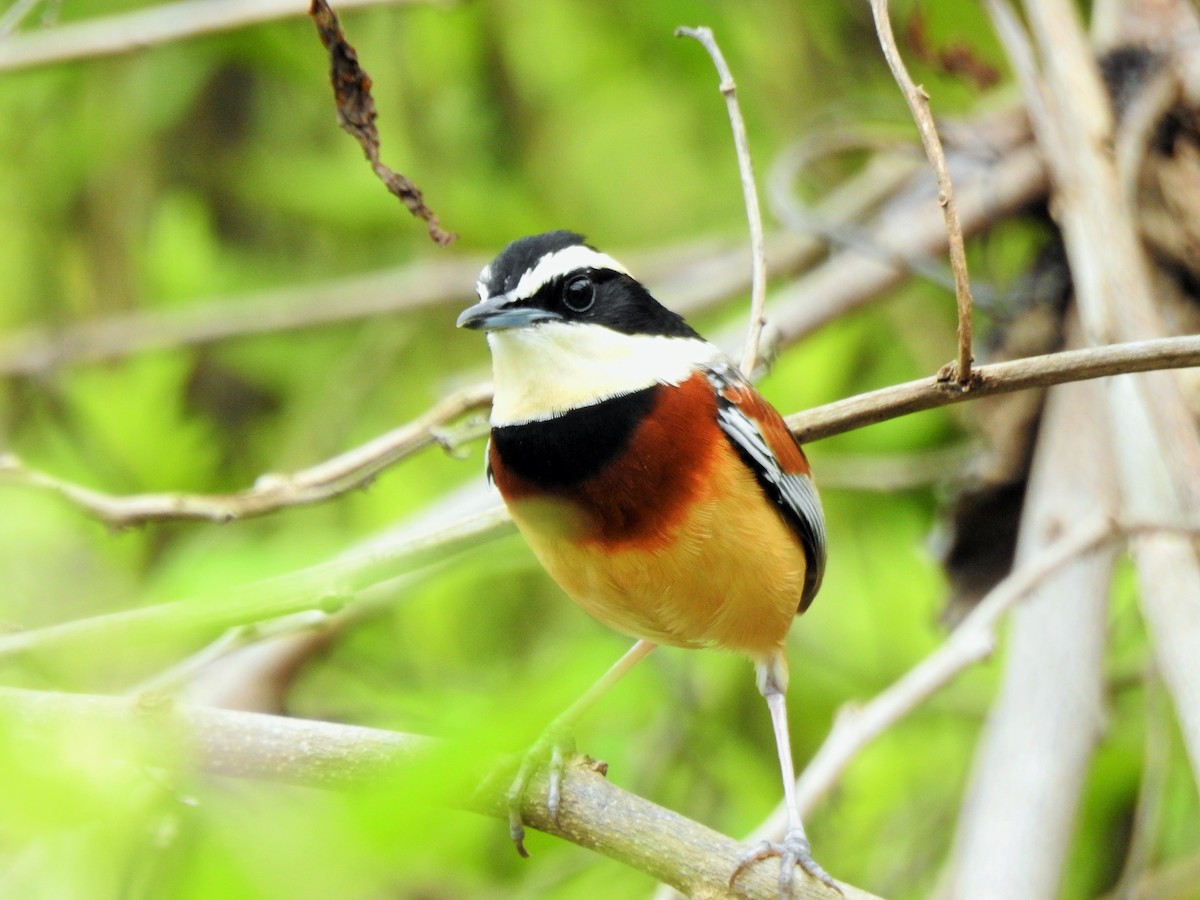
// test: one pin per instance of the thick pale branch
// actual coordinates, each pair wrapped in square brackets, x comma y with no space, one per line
[1153,428]
[758,262]
[595,813]
[1036,749]
[918,103]
[151,27]
[414,287]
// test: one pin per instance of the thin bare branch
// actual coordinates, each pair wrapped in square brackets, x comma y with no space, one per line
[13,15]
[595,813]
[177,676]
[151,27]
[1144,115]
[359,466]
[1153,790]
[758,263]
[328,586]
[918,103]
[996,378]
[351,470]
[689,278]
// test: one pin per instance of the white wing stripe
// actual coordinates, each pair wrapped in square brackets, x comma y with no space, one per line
[794,491]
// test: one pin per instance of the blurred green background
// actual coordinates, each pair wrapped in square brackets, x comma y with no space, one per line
[202,173]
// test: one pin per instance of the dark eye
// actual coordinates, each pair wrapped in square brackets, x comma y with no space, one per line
[579,294]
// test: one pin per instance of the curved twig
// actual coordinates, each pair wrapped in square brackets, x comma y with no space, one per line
[349,471]
[758,262]
[797,217]
[918,102]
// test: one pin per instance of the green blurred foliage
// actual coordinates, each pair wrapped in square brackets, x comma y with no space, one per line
[214,168]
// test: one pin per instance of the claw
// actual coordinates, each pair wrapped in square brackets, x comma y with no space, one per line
[516,793]
[516,831]
[549,747]
[793,851]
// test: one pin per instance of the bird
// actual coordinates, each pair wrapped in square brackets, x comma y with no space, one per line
[657,487]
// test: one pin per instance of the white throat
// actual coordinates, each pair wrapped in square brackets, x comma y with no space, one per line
[544,371]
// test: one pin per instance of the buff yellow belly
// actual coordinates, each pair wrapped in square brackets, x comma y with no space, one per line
[728,572]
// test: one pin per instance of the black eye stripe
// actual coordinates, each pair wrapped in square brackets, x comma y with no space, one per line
[618,302]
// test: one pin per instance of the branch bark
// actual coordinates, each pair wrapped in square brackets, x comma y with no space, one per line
[997,378]
[595,814]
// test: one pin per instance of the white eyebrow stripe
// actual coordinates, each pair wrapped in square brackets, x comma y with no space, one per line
[558,263]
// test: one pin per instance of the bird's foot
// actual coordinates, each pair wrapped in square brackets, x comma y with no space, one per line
[793,851]
[550,749]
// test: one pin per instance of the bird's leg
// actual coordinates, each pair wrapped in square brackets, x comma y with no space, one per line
[556,738]
[794,849]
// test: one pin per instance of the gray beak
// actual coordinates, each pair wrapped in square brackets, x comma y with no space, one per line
[495,314]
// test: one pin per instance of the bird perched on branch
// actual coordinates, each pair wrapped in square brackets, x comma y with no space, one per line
[656,486]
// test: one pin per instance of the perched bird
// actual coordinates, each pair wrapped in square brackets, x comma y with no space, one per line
[665,496]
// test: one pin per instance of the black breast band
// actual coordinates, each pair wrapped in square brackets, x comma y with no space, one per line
[561,452]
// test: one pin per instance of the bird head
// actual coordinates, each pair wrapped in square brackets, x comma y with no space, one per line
[568,326]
